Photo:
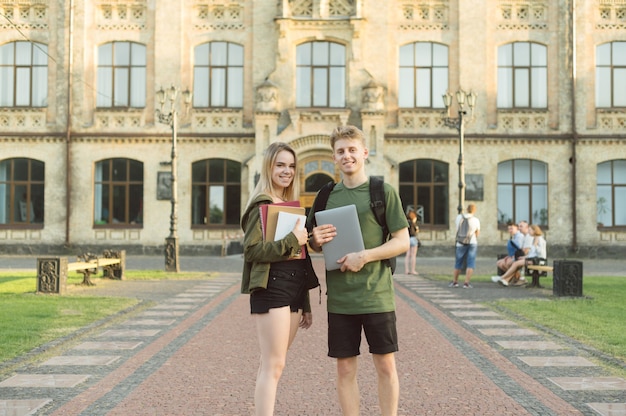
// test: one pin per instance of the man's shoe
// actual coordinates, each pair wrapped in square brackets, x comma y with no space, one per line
[453,284]
[467,286]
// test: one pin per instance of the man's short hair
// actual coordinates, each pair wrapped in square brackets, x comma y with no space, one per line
[346,132]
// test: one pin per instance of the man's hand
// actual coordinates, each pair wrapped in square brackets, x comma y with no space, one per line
[306,320]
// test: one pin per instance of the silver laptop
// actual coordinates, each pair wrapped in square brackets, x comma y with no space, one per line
[348,239]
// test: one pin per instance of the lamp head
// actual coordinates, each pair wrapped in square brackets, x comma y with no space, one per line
[471,99]
[161,97]
[460,97]
[172,92]
[447,99]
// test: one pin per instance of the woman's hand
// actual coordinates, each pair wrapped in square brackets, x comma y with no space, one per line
[306,320]
[300,232]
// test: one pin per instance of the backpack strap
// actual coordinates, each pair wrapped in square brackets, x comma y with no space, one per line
[378,205]
[319,204]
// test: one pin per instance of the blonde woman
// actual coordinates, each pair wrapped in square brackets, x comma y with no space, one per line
[276,279]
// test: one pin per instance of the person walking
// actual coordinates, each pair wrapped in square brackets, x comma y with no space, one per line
[411,255]
[277,280]
[465,252]
[360,293]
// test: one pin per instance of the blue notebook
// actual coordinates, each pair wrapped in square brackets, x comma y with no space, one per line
[348,239]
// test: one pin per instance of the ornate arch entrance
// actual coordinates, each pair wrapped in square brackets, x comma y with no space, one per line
[316,171]
[315,164]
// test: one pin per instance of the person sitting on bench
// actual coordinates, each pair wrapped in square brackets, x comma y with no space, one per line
[537,249]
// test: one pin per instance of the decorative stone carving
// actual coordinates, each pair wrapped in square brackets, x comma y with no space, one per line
[523,15]
[267,97]
[425,15]
[373,97]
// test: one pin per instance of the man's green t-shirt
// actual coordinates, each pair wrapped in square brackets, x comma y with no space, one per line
[371,289]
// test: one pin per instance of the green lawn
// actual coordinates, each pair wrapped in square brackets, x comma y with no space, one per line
[29,320]
[596,319]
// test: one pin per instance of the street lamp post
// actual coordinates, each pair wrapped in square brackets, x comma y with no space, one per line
[459,124]
[171,118]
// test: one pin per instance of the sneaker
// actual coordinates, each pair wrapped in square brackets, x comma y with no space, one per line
[504,282]
[453,284]
[496,279]
[467,286]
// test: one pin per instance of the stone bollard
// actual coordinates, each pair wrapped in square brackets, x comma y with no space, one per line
[52,275]
[567,278]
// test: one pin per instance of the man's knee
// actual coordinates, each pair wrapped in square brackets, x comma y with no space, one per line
[385,364]
[346,367]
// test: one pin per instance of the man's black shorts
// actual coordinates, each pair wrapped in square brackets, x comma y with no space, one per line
[344,333]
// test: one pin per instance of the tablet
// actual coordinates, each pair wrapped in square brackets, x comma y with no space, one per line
[348,239]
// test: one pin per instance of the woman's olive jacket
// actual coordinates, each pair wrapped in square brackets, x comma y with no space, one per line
[259,254]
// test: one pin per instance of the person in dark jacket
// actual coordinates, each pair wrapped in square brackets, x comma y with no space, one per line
[274,274]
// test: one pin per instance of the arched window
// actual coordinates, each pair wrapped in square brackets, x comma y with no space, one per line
[523,191]
[21,192]
[23,74]
[424,184]
[118,192]
[611,193]
[423,75]
[121,75]
[218,75]
[522,75]
[321,75]
[611,75]
[216,192]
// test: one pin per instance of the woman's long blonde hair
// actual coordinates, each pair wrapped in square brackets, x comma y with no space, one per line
[265,184]
[536,230]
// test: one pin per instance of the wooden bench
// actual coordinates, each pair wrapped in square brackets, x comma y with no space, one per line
[52,272]
[537,271]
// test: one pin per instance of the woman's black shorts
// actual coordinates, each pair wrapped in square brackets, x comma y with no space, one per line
[286,286]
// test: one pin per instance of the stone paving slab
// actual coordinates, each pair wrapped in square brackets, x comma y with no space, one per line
[45,380]
[151,322]
[170,306]
[21,407]
[163,313]
[609,409]
[530,345]
[589,383]
[79,360]
[108,345]
[129,333]
[510,332]
[486,322]
[475,313]
[559,361]
[463,306]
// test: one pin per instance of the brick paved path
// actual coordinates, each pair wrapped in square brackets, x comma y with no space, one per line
[195,353]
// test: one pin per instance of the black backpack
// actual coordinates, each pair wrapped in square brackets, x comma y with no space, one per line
[377,203]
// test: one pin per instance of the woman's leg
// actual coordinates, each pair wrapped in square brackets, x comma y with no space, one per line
[407,261]
[510,273]
[274,331]
[413,258]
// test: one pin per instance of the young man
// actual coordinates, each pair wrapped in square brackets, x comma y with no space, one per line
[360,293]
[466,252]
[516,241]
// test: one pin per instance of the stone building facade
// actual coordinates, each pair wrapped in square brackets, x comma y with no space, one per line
[85,159]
